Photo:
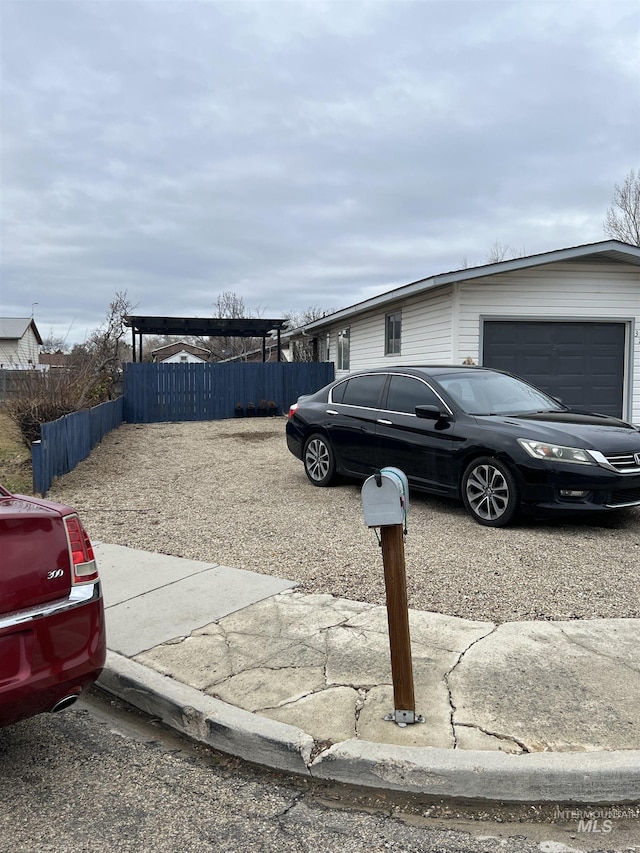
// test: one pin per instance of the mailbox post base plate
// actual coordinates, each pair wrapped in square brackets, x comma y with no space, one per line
[404,718]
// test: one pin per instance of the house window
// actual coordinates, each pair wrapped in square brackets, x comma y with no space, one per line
[344,336]
[393,333]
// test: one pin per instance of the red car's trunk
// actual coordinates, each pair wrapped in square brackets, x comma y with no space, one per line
[52,639]
[34,554]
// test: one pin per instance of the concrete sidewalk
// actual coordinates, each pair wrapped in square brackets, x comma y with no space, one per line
[522,711]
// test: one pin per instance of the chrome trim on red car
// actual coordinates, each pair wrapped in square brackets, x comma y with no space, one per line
[79,596]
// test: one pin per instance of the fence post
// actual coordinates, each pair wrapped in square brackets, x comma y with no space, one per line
[36,468]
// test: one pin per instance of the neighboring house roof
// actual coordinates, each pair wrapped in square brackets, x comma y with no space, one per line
[609,250]
[180,346]
[54,359]
[15,328]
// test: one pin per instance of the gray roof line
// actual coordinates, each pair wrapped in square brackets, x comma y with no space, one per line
[14,328]
[611,248]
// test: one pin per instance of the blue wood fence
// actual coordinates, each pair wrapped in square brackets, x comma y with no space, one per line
[196,392]
[171,392]
[69,440]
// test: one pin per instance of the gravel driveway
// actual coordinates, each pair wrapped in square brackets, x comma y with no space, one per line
[230,492]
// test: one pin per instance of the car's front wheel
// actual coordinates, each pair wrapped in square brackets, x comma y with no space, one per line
[490,492]
[319,461]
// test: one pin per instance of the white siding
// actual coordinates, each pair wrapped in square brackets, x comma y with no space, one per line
[566,291]
[21,353]
[184,357]
[444,325]
[426,334]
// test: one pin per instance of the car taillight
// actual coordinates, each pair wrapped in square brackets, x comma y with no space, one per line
[292,410]
[83,561]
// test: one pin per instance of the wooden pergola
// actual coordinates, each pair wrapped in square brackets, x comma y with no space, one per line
[221,327]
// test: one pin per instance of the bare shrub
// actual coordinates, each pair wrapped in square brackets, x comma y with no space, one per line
[41,397]
[90,377]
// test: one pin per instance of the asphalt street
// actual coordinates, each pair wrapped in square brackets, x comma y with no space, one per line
[100,778]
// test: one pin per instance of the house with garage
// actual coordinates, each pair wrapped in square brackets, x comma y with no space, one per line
[20,343]
[568,321]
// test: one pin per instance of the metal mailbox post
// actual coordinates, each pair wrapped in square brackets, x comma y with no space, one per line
[385,503]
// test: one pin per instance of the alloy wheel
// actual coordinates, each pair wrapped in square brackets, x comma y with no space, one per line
[488,493]
[318,461]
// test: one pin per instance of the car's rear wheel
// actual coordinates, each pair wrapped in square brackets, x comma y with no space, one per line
[490,492]
[319,460]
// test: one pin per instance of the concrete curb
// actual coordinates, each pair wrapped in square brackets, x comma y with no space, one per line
[585,777]
[543,777]
[208,720]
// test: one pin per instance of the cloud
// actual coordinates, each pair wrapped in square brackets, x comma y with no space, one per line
[299,153]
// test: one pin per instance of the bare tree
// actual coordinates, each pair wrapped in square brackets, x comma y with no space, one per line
[230,306]
[54,344]
[501,252]
[99,360]
[296,319]
[91,376]
[302,349]
[623,217]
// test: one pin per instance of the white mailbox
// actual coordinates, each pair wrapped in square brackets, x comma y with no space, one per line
[385,498]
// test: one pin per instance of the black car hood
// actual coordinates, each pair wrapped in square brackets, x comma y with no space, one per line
[598,432]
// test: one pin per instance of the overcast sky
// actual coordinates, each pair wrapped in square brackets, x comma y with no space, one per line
[305,153]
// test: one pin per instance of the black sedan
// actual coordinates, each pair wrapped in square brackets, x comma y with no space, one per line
[472,433]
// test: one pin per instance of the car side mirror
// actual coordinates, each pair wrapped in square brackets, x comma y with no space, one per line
[432,413]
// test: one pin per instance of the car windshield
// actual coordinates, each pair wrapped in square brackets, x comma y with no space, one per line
[485,393]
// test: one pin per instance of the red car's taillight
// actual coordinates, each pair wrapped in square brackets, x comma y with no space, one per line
[83,561]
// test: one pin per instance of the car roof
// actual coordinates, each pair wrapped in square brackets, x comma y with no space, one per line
[424,369]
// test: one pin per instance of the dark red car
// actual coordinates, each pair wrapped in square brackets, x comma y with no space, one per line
[52,632]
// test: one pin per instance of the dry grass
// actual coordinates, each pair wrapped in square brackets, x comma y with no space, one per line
[15,459]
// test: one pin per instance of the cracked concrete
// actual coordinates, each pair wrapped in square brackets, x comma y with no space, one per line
[547,711]
[323,665]
[553,686]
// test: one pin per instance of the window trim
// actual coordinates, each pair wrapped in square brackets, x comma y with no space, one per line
[344,362]
[393,333]
[346,379]
[424,381]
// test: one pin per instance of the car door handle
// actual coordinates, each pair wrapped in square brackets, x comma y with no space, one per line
[332,412]
[384,422]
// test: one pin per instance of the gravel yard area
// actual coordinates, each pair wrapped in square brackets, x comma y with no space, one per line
[231,493]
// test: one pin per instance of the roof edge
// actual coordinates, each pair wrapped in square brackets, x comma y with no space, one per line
[468,274]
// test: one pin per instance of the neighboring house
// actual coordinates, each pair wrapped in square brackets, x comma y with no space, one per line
[19,343]
[181,353]
[54,360]
[567,320]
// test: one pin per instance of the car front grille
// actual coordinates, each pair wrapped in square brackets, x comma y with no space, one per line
[624,497]
[625,463]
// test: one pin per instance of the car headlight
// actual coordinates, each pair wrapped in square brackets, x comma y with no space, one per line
[556,452]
